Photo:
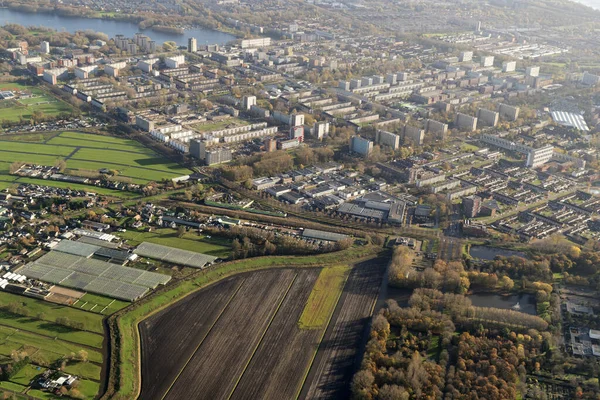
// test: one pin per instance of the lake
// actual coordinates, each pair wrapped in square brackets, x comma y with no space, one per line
[110,27]
[526,301]
[490,253]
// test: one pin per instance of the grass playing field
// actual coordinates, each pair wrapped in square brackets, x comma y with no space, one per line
[190,241]
[88,152]
[14,109]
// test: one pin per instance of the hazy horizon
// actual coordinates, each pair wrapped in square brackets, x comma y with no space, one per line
[595,4]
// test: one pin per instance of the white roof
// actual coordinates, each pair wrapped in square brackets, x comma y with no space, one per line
[594,334]
[570,119]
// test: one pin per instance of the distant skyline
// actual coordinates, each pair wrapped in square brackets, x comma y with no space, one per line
[595,4]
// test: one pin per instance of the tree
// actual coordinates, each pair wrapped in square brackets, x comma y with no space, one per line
[506,283]
[82,355]
[393,392]
[61,165]
[14,167]
[37,116]
[180,231]
[362,382]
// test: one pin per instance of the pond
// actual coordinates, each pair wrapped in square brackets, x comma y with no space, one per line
[110,27]
[490,253]
[526,302]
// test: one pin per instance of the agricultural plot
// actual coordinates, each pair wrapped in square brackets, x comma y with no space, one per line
[332,369]
[249,314]
[278,366]
[246,325]
[160,341]
[173,255]
[91,153]
[47,342]
[50,311]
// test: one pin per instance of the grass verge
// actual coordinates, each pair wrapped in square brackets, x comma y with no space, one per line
[323,297]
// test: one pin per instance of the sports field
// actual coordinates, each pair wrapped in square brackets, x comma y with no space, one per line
[31,99]
[86,152]
[190,241]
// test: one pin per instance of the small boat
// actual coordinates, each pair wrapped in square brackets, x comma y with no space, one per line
[516,306]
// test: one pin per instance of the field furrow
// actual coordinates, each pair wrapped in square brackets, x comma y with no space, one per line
[215,368]
[277,368]
[330,374]
[170,337]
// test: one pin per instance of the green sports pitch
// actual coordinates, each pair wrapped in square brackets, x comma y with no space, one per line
[27,100]
[85,152]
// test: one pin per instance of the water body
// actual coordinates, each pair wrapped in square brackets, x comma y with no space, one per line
[490,253]
[526,302]
[110,27]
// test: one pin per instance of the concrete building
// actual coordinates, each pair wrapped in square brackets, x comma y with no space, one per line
[45,47]
[199,149]
[144,123]
[487,61]
[147,65]
[590,79]
[391,79]
[320,130]
[438,129]
[361,146]
[532,71]
[465,122]
[366,81]
[53,75]
[487,117]
[389,139]
[414,135]
[270,145]
[288,144]
[540,156]
[296,120]
[465,56]
[248,102]
[260,42]
[84,72]
[355,84]
[344,85]
[507,112]
[535,156]
[509,66]
[175,62]
[297,132]
[113,69]
[192,45]
[471,206]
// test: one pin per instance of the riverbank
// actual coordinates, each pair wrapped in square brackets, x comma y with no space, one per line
[109,23]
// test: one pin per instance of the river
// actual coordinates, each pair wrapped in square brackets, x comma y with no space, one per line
[110,27]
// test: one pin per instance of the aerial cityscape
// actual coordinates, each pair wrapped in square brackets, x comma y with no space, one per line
[305,199]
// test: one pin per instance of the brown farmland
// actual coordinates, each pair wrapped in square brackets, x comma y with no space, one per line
[240,339]
[170,337]
[332,369]
[278,366]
